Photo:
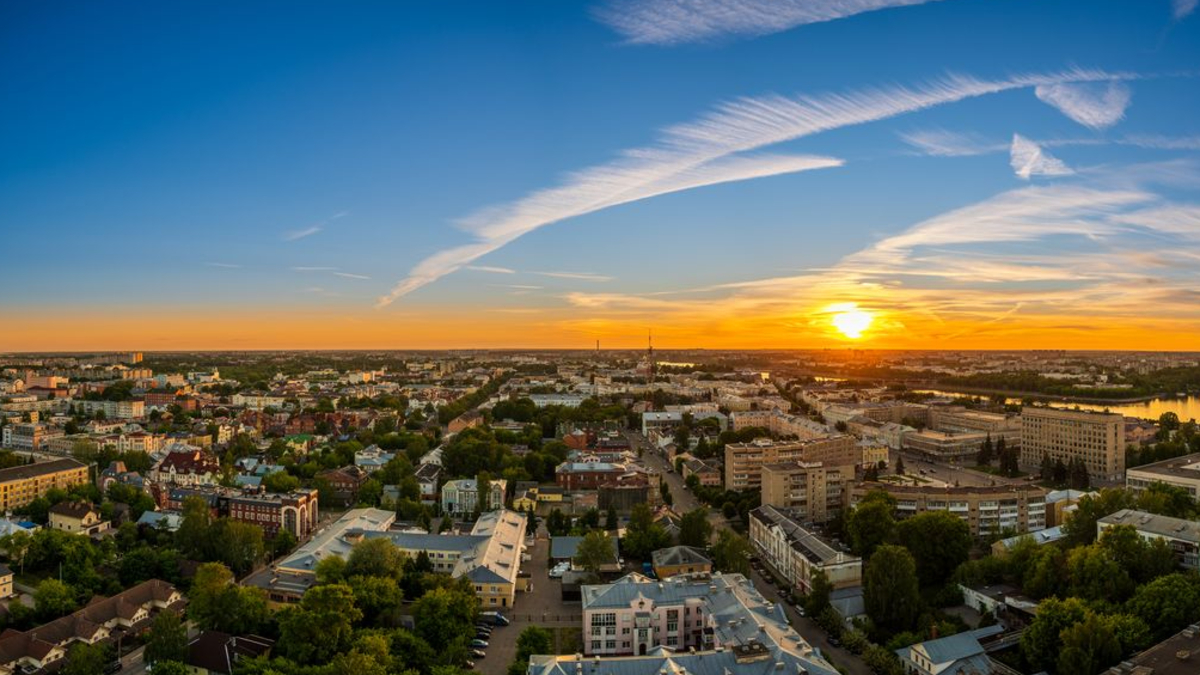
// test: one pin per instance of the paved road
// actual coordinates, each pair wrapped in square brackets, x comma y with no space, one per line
[948,473]
[684,499]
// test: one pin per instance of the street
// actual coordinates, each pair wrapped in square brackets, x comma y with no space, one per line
[947,473]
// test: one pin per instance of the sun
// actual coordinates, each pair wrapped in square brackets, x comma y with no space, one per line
[851,321]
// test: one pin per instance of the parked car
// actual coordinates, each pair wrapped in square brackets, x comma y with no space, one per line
[478,653]
[495,618]
[479,644]
[560,569]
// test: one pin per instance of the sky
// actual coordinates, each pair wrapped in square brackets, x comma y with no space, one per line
[935,174]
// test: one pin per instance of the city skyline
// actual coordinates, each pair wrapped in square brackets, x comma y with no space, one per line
[875,173]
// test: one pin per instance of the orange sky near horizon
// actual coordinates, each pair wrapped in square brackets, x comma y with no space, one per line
[200,329]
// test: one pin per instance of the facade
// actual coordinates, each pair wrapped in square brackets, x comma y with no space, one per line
[812,491]
[958,653]
[113,410]
[943,445]
[461,497]
[719,622]
[1182,535]
[344,484]
[1098,439]
[20,485]
[296,511]
[28,437]
[78,517]
[186,465]
[797,553]
[660,421]
[778,423]
[1183,472]
[588,475]
[704,472]
[428,476]
[6,582]
[744,461]
[987,510]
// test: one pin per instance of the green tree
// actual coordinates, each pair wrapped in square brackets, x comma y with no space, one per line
[16,546]
[1042,642]
[643,536]
[1096,576]
[1081,528]
[444,618]
[86,659]
[192,537]
[533,640]
[280,481]
[167,639]
[53,599]
[1168,604]
[321,626]
[939,542]
[377,557]
[695,528]
[217,603]
[378,597]
[330,570]
[1046,573]
[611,522]
[171,668]
[1088,647]
[595,551]
[870,525]
[731,553]
[890,590]
[818,595]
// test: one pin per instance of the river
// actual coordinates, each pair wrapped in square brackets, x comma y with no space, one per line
[1187,407]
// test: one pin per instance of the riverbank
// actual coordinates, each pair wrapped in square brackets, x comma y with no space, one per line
[980,391]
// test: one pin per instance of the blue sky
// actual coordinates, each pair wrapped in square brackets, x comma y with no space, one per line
[171,154]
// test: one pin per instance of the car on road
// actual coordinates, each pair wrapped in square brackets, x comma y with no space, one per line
[482,635]
[479,644]
[560,569]
[478,653]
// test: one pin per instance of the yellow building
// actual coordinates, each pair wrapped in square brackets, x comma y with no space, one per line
[6,582]
[77,518]
[1098,439]
[813,491]
[20,485]
[744,461]
[676,560]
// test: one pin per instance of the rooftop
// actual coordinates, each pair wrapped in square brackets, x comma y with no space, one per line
[1165,526]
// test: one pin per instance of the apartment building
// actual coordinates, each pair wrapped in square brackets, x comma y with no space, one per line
[588,475]
[29,437]
[710,624]
[1182,535]
[187,466]
[744,461]
[812,491]
[1182,472]
[20,485]
[957,419]
[1098,439]
[778,423]
[113,410]
[987,510]
[798,554]
[943,445]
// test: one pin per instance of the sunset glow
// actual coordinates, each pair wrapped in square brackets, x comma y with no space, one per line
[852,322]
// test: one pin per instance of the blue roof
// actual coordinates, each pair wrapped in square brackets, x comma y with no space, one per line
[955,647]
[564,547]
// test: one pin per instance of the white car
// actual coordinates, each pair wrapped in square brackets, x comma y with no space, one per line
[558,570]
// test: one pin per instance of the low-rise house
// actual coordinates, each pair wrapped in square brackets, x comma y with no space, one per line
[77,517]
[428,476]
[216,653]
[669,562]
[6,582]
[1182,535]
[461,497]
[951,655]
[344,484]
[566,549]
[373,458]
[186,465]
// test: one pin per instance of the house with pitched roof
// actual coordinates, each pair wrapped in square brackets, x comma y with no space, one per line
[959,654]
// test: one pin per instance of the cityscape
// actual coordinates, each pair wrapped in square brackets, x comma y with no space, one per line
[613,337]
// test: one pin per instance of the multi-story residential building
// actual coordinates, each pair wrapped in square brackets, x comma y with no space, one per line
[467,420]
[1182,535]
[461,497]
[813,491]
[1098,439]
[344,484]
[20,485]
[29,437]
[428,476]
[296,511]
[706,623]
[258,401]
[797,553]
[1182,472]
[660,421]
[987,510]
[588,475]
[943,445]
[778,423]
[744,461]
[113,410]
[962,420]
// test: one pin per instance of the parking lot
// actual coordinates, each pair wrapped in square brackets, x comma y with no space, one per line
[542,606]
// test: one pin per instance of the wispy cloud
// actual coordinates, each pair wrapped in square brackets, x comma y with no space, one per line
[582,276]
[711,150]
[1181,8]
[1094,105]
[348,275]
[1029,159]
[309,231]
[519,287]
[943,143]
[493,270]
[227,266]
[313,269]
[667,22]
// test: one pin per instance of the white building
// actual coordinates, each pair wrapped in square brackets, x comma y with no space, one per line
[461,497]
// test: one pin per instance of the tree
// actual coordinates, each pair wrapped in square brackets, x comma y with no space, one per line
[376,557]
[890,589]
[321,626]
[1095,575]
[985,452]
[534,640]
[870,524]
[1081,528]
[53,599]
[900,466]
[595,551]
[280,481]
[171,668]
[330,570]
[818,595]
[1089,647]
[1046,573]
[558,523]
[167,639]
[237,544]
[1167,604]
[939,542]
[731,553]
[643,536]
[695,528]
[217,603]
[1046,472]
[16,546]
[379,598]
[1041,642]
[611,522]
[444,618]
[192,537]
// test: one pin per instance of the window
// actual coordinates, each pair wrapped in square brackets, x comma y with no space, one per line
[595,645]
